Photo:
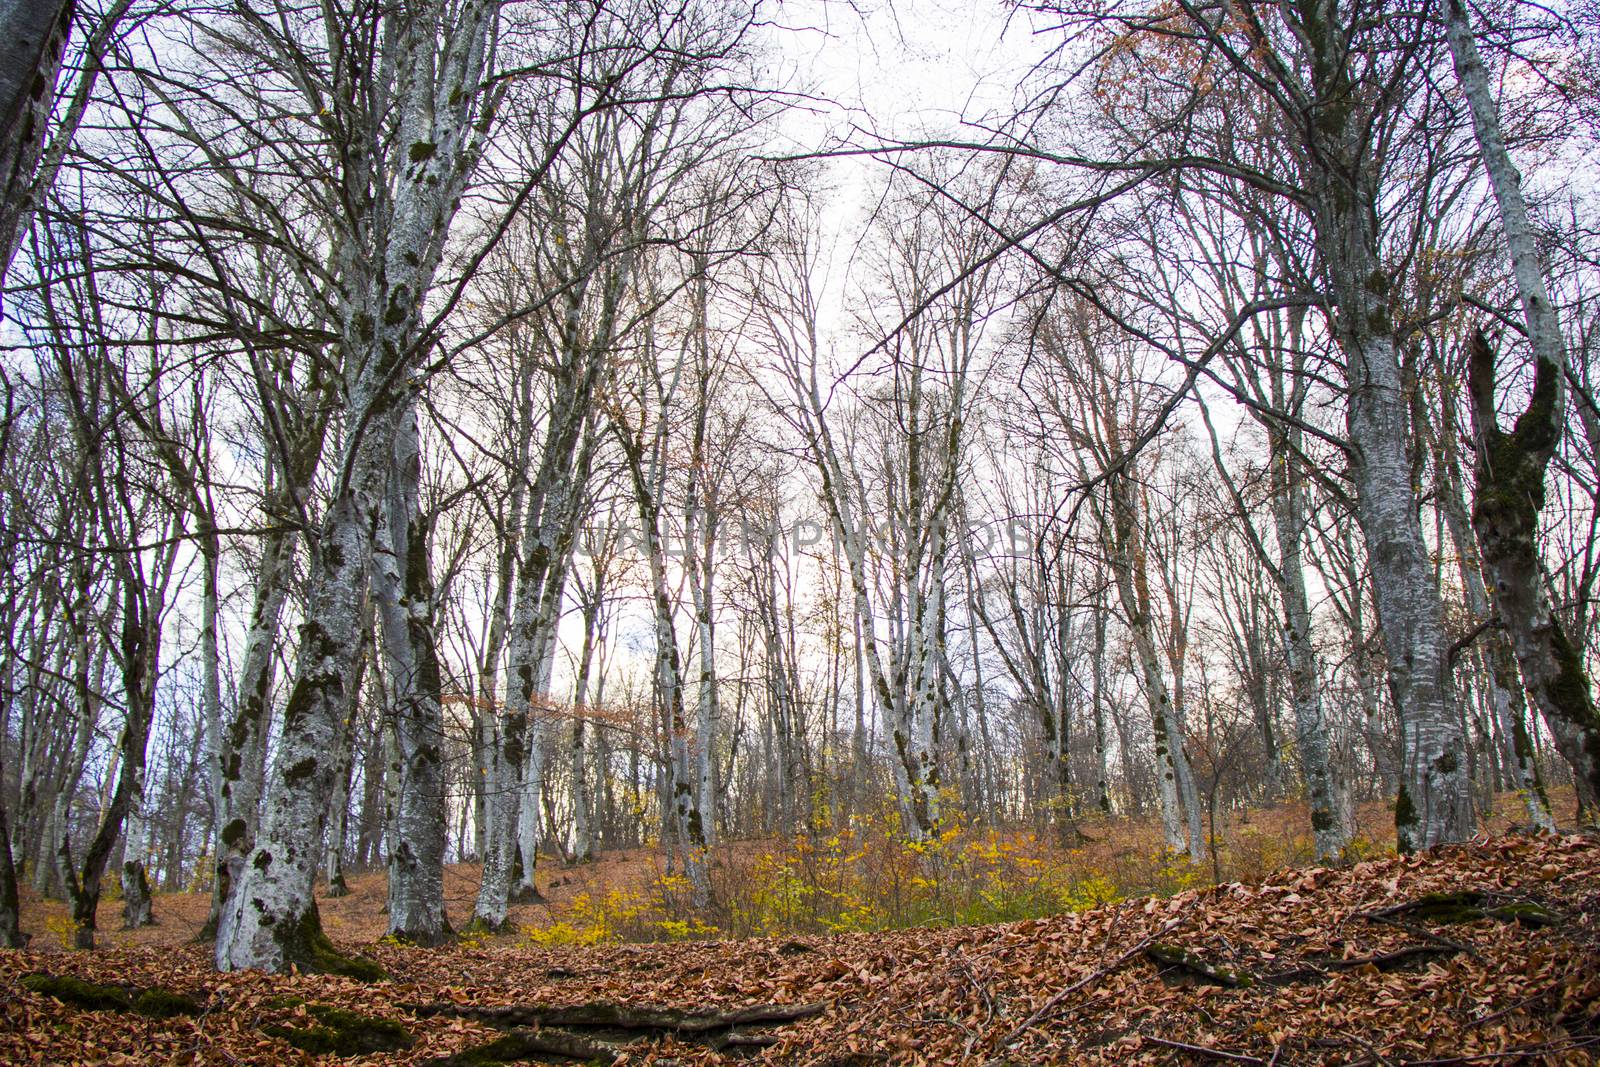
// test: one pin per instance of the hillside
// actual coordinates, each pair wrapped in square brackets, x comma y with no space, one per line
[1488,953]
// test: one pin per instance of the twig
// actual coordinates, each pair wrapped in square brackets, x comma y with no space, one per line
[1202,1050]
[1094,976]
[1377,1057]
[1519,1005]
[982,989]
[1526,1052]
[1423,931]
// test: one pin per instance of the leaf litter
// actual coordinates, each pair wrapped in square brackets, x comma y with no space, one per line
[1480,954]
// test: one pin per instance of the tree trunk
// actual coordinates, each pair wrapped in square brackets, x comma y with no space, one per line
[339,806]
[33,38]
[242,754]
[1434,805]
[137,908]
[1172,766]
[554,506]
[1510,474]
[1505,695]
[10,909]
[140,642]
[270,919]
[1510,467]
[1329,832]
[1102,784]
[433,59]
[582,793]
[403,588]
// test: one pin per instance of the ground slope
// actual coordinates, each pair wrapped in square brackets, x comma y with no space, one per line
[1481,954]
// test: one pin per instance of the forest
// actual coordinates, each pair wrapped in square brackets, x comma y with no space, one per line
[848,467]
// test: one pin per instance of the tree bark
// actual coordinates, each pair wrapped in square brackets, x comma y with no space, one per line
[1511,466]
[1505,695]
[403,588]
[33,38]
[1434,804]
[1172,765]
[436,56]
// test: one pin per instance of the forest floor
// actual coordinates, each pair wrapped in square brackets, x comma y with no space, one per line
[1487,953]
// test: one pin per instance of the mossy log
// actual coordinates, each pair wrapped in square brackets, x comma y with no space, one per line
[154,1003]
[1468,905]
[1383,961]
[606,1014]
[598,1032]
[340,1032]
[522,1044]
[1169,955]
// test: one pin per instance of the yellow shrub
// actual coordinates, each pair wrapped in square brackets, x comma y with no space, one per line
[64,928]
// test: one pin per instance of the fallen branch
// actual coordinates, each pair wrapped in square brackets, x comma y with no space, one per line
[609,1015]
[1428,935]
[1383,961]
[1467,905]
[600,1030]
[1202,1050]
[1094,976]
[1184,959]
[522,1044]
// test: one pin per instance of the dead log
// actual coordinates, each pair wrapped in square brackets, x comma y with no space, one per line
[598,1031]
[519,1044]
[1169,955]
[1464,906]
[1383,961]
[608,1015]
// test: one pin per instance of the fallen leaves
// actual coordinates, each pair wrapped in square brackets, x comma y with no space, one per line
[1078,988]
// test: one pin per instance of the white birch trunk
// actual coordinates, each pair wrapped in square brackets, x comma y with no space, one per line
[582,793]
[241,769]
[682,801]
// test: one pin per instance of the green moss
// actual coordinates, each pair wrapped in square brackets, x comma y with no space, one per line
[165,1004]
[507,1049]
[1405,819]
[282,1003]
[1524,913]
[305,945]
[339,1032]
[300,771]
[1177,956]
[481,927]
[1469,906]
[78,993]
[511,1048]
[90,996]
